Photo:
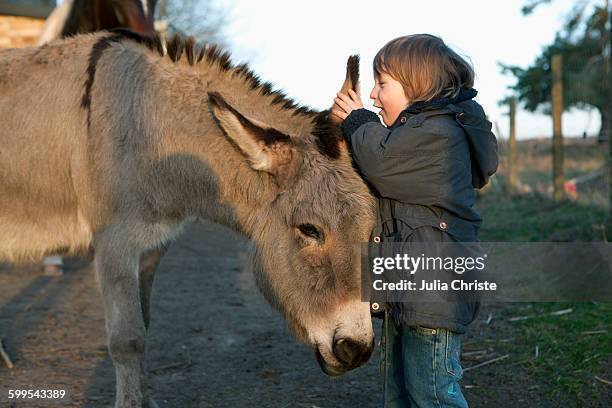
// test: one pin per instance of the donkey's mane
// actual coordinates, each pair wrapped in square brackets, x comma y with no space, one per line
[327,134]
[178,46]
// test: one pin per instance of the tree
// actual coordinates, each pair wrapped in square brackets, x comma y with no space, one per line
[200,18]
[584,43]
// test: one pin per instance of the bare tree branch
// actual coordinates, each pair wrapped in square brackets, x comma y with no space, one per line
[200,18]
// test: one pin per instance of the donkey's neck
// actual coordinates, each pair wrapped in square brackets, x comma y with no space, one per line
[241,193]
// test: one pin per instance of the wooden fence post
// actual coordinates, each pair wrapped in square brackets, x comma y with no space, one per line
[512,185]
[557,113]
[607,42]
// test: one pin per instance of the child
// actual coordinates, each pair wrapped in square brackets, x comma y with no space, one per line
[423,166]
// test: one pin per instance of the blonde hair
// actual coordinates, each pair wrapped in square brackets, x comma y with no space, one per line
[425,66]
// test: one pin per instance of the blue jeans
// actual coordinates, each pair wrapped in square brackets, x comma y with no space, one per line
[421,367]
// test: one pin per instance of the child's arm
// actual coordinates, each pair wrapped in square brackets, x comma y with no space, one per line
[403,163]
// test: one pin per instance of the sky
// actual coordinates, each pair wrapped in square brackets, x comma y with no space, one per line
[302,46]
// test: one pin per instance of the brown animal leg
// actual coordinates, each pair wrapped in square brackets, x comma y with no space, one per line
[116,268]
[148,265]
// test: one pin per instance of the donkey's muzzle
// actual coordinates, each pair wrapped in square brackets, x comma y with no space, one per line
[352,353]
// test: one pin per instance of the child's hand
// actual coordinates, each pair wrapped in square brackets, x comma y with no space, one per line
[345,104]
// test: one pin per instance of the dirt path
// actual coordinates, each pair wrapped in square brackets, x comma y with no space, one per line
[214,342]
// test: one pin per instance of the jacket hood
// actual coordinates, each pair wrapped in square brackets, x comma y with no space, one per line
[463,95]
[482,142]
[471,117]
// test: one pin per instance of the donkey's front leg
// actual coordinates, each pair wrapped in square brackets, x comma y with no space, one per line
[117,269]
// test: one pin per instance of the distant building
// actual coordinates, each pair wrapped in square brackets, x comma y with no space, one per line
[22,21]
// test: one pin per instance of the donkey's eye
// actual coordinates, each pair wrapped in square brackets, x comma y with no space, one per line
[311,231]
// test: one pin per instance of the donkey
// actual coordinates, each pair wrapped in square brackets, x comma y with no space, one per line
[141,143]
[86,16]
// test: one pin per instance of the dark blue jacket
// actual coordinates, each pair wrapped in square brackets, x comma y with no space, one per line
[423,170]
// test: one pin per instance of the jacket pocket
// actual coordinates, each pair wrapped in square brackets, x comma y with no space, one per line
[419,231]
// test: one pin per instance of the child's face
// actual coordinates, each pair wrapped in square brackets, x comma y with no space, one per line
[388,94]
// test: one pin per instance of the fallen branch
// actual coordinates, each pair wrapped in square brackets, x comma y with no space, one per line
[587,333]
[591,358]
[5,356]
[557,313]
[526,360]
[562,312]
[518,318]
[487,362]
[473,353]
[184,364]
[603,381]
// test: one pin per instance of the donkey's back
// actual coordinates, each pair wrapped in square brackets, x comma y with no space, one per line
[43,149]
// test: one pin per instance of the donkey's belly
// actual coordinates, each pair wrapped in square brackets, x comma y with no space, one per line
[28,240]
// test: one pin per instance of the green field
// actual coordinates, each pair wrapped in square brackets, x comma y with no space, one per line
[567,356]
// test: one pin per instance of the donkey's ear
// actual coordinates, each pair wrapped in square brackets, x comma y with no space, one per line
[351,81]
[266,149]
[352,75]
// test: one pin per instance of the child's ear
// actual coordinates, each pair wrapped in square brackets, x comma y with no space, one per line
[350,82]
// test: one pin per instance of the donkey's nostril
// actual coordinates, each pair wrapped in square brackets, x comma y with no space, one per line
[352,353]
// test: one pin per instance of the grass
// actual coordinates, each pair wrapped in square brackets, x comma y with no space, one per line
[568,359]
[529,218]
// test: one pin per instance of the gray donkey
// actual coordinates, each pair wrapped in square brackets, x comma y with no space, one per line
[141,143]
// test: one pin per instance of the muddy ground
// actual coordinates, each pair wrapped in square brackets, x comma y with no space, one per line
[214,342]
